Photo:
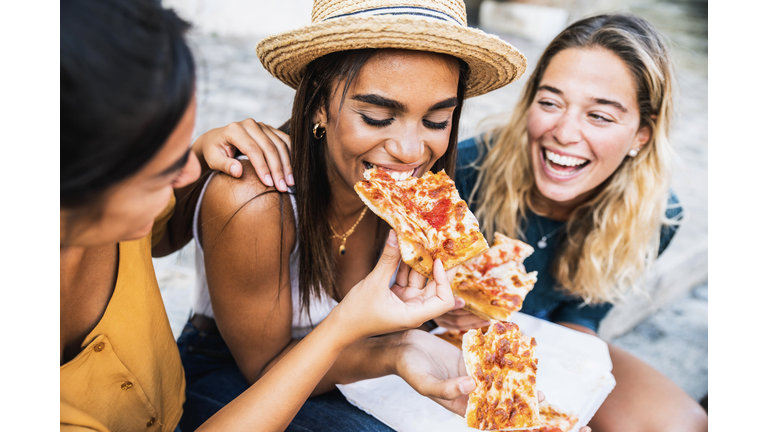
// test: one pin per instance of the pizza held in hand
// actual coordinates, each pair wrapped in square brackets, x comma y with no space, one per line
[503,363]
[429,216]
[494,284]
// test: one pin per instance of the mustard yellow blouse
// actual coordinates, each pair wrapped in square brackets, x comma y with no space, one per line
[128,377]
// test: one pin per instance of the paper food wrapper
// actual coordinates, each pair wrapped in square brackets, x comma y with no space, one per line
[574,374]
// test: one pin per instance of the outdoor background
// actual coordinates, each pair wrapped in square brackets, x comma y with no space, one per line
[668,327]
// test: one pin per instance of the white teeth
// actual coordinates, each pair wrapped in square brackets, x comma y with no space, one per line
[400,175]
[396,175]
[564,160]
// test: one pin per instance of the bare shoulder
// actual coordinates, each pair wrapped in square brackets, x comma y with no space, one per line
[245,205]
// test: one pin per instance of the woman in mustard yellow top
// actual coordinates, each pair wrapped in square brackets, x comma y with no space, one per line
[127,111]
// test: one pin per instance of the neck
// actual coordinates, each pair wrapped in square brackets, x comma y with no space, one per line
[345,203]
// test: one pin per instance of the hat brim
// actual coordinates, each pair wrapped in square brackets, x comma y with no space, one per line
[492,62]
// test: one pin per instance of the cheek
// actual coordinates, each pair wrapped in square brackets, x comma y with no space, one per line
[609,148]
[537,125]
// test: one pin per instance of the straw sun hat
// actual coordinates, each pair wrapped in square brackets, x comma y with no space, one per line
[424,25]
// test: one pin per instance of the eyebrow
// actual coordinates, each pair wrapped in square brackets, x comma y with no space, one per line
[610,102]
[600,101]
[179,164]
[393,104]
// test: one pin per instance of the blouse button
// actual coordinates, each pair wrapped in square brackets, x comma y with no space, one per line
[126,385]
[151,422]
[99,347]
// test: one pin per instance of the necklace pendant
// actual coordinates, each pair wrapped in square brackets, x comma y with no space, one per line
[342,250]
[542,243]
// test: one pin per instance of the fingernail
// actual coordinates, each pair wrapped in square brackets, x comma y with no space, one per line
[283,187]
[290,179]
[268,178]
[392,239]
[460,303]
[233,170]
[466,386]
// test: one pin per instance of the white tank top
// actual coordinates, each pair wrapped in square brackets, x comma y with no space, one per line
[301,324]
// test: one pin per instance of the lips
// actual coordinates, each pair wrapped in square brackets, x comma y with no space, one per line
[562,167]
[395,174]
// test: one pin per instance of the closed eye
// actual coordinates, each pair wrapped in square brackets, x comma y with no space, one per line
[600,118]
[435,126]
[376,123]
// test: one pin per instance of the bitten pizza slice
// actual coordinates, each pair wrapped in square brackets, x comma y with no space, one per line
[429,216]
[554,419]
[494,284]
[503,363]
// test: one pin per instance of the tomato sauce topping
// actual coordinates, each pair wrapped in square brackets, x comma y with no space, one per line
[438,216]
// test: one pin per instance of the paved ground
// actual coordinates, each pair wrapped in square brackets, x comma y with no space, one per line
[668,329]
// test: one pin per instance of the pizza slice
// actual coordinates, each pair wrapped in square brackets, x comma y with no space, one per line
[554,419]
[494,284]
[503,363]
[456,337]
[429,216]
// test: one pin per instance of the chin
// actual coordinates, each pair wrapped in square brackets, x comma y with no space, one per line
[140,233]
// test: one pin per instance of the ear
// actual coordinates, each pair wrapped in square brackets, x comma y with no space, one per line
[320,116]
[641,137]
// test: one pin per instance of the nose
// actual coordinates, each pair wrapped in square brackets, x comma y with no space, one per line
[190,172]
[407,148]
[568,129]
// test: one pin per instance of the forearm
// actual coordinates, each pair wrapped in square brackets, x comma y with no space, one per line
[363,359]
[295,375]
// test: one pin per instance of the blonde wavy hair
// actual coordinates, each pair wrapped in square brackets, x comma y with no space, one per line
[611,239]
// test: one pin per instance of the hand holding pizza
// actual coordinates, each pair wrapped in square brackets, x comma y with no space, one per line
[435,369]
[460,319]
[372,308]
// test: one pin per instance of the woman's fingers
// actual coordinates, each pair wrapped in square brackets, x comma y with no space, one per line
[452,321]
[282,148]
[442,284]
[263,153]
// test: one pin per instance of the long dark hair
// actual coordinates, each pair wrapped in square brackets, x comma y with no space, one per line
[127,77]
[313,191]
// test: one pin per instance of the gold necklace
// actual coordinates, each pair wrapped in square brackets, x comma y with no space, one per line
[343,249]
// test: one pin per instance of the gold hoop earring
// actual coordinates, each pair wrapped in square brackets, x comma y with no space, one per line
[315,131]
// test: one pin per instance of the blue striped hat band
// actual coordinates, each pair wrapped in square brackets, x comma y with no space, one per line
[421,12]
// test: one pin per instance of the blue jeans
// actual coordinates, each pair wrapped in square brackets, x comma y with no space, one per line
[213,380]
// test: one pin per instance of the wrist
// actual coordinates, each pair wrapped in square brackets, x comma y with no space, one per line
[340,332]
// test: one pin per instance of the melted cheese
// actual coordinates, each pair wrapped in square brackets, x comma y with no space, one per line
[503,363]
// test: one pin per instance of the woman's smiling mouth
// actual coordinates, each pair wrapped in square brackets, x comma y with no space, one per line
[397,175]
[561,167]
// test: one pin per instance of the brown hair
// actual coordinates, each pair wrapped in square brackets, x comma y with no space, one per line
[613,237]
[313,191]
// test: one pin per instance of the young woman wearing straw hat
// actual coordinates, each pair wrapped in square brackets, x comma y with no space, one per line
[581,171]
[128,110]
[378,83]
